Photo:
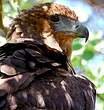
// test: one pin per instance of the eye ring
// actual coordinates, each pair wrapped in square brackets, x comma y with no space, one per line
[55,18]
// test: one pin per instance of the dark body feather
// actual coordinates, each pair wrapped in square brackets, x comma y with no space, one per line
[52,92]
[27,56]
[43,86]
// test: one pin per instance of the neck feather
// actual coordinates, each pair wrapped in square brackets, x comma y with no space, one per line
[60,42]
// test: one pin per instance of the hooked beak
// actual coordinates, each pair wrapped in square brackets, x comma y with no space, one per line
[82,32]
[76,30]
[68,27]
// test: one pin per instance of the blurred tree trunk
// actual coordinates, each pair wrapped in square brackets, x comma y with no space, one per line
[1,17]
[3,30]
[98,6]
[99,3]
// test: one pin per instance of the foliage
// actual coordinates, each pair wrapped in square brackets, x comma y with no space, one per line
[87,58]
[90,60]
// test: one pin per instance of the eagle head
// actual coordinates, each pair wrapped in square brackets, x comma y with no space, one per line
[55,24]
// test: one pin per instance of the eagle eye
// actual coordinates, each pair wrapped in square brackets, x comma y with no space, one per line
[54,18]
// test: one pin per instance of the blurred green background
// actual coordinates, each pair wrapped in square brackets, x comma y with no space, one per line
[87,58]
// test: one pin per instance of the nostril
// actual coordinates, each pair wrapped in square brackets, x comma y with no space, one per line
[77,26]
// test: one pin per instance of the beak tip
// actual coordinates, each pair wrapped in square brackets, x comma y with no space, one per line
[86,34]
[86,40]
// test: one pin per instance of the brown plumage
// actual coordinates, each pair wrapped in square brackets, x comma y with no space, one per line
[36,72]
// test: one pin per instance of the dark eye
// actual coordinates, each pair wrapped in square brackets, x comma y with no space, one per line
[54,18]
